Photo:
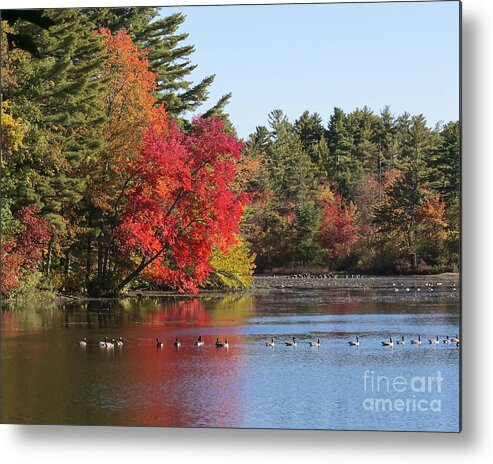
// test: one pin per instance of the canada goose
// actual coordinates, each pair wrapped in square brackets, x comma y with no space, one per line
[199,342]
[401,341]
[110,344]
[176,343]
[416,341]
[354,343]
[457,343]
[159,344]
[447,340]
[389,343]
[293,343]
[119,342]
[271,343]
[317,343]
[224,344]
[434,341]
[102,344]
[455,339]
[83,342]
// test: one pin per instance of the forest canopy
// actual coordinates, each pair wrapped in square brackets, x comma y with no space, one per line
[107,186]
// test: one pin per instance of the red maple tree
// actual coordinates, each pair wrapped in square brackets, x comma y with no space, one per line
[22,252]
[338,230]
[182,204]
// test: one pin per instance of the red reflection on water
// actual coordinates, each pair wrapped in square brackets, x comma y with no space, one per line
[182,387]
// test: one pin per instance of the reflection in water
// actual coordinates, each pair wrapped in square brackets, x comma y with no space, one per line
[48,378]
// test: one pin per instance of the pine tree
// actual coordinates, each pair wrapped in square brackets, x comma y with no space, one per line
[344,169]
[362,124]
[445,163]
[290,167]
[387,141]
[58,96]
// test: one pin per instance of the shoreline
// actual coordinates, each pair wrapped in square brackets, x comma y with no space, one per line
[399,284]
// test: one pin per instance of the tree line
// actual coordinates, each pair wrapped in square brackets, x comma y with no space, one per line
[106,185]
[367,192]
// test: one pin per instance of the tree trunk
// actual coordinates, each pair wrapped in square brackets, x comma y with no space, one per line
[88,259]
[100,261]
[67,263]
[106,261]
[143,264]
[49,256]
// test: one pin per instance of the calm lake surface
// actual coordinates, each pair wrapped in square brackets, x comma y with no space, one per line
[47,378]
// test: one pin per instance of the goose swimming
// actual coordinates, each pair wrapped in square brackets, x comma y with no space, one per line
[292,343]
[389,343]
[354,343]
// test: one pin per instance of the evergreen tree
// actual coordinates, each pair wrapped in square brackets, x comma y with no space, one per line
[418,146]
[290,167]
[308,217]
[362,124]
[387,141]
[445,163]
[58,95]
[344,169]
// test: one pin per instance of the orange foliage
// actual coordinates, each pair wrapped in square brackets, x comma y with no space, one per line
[431,215]
[131,110]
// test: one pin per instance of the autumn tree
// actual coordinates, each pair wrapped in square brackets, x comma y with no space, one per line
[26,235]
[232,268]
[432,231]
[181,205]
[338,230]
[130,110]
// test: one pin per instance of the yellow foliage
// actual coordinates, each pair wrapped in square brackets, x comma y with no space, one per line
[233,269]
[13,130]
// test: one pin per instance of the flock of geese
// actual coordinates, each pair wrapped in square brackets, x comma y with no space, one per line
[106,343]
[416,341]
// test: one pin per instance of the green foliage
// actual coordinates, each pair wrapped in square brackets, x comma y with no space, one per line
[445,163]
[344,169]
[308,217]
[34,289]
[292,174]
[58,95]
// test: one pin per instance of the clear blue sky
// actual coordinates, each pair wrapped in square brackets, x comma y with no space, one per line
[316,57]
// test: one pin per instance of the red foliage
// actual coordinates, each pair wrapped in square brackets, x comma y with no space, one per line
[23,252]
[338,230]
[182,203]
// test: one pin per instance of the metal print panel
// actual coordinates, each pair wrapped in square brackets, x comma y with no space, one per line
[232,216]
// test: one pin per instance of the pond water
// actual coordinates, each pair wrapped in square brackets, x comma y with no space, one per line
[47,378]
